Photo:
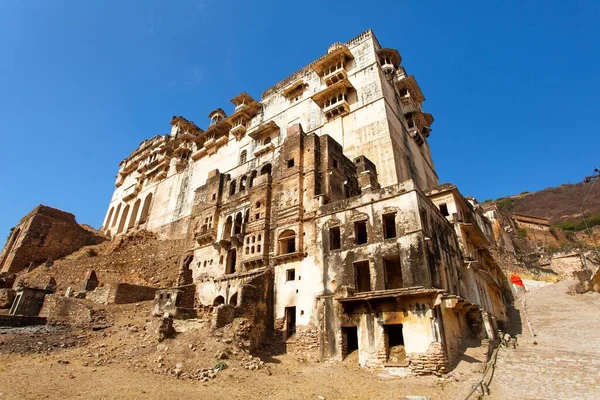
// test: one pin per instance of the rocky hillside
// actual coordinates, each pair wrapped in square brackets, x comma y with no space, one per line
[559,204]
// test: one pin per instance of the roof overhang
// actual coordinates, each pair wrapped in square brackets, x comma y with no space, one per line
[391,294]
[393,55]
[321,64]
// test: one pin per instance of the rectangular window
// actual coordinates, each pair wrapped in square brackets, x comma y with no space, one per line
[290,275]
[389,226]
[444,209]
[363,276]
[335,242]
[335,163]
[290,163]
[360,232]
[393,273]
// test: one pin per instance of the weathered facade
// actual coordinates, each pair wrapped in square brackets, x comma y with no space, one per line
[315,214]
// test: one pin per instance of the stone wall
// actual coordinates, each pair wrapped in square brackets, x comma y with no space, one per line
[60,310]
[121,293]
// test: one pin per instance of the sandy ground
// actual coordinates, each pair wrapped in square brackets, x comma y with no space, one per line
[565,362]
[125,361]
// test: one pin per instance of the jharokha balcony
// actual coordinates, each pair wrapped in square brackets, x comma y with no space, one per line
[334,99]
[332,67]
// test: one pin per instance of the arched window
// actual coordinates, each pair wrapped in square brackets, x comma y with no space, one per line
[233,299]
[243,156]
[146,209]
[232,188]
[237,225]
[287,242]
[252,176]
[136,208]
[243,183]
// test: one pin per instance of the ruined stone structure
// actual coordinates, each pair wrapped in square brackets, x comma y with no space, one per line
[45,234]
[315,213]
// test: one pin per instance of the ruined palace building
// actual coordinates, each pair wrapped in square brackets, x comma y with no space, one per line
[316,212]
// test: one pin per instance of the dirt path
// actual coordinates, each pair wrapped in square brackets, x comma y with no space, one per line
[565,363]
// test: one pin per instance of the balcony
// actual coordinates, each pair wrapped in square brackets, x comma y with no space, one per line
[409,105]
[264,149]
[205,237]
[238,130]
[199,154]
[334,99]
[131,192]
[416,135]
[263,130]
[338,108]
[336,75]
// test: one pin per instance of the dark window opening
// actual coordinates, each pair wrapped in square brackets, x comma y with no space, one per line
[363,276]
[389,226]
[218,301]
[237,226]
[349,340]
[335,163]
[290,322]
[231,261]
[232,188]
[266,170]
[214,196]
[335,242]
[395,351]
[444,209]
[287,242]
[290,275]
[393,273]
[290,163]
[360,232]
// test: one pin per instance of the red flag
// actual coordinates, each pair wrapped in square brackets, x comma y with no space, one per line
[516,279]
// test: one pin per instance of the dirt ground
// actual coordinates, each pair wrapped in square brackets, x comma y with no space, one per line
[564,362]
[125,361]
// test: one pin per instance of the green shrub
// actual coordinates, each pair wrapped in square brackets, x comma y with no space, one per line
[579,225]
[522,232]
[505,204]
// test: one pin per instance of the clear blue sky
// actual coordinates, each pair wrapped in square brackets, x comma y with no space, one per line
[513,86]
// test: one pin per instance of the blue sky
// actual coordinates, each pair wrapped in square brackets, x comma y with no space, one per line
[513,86]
